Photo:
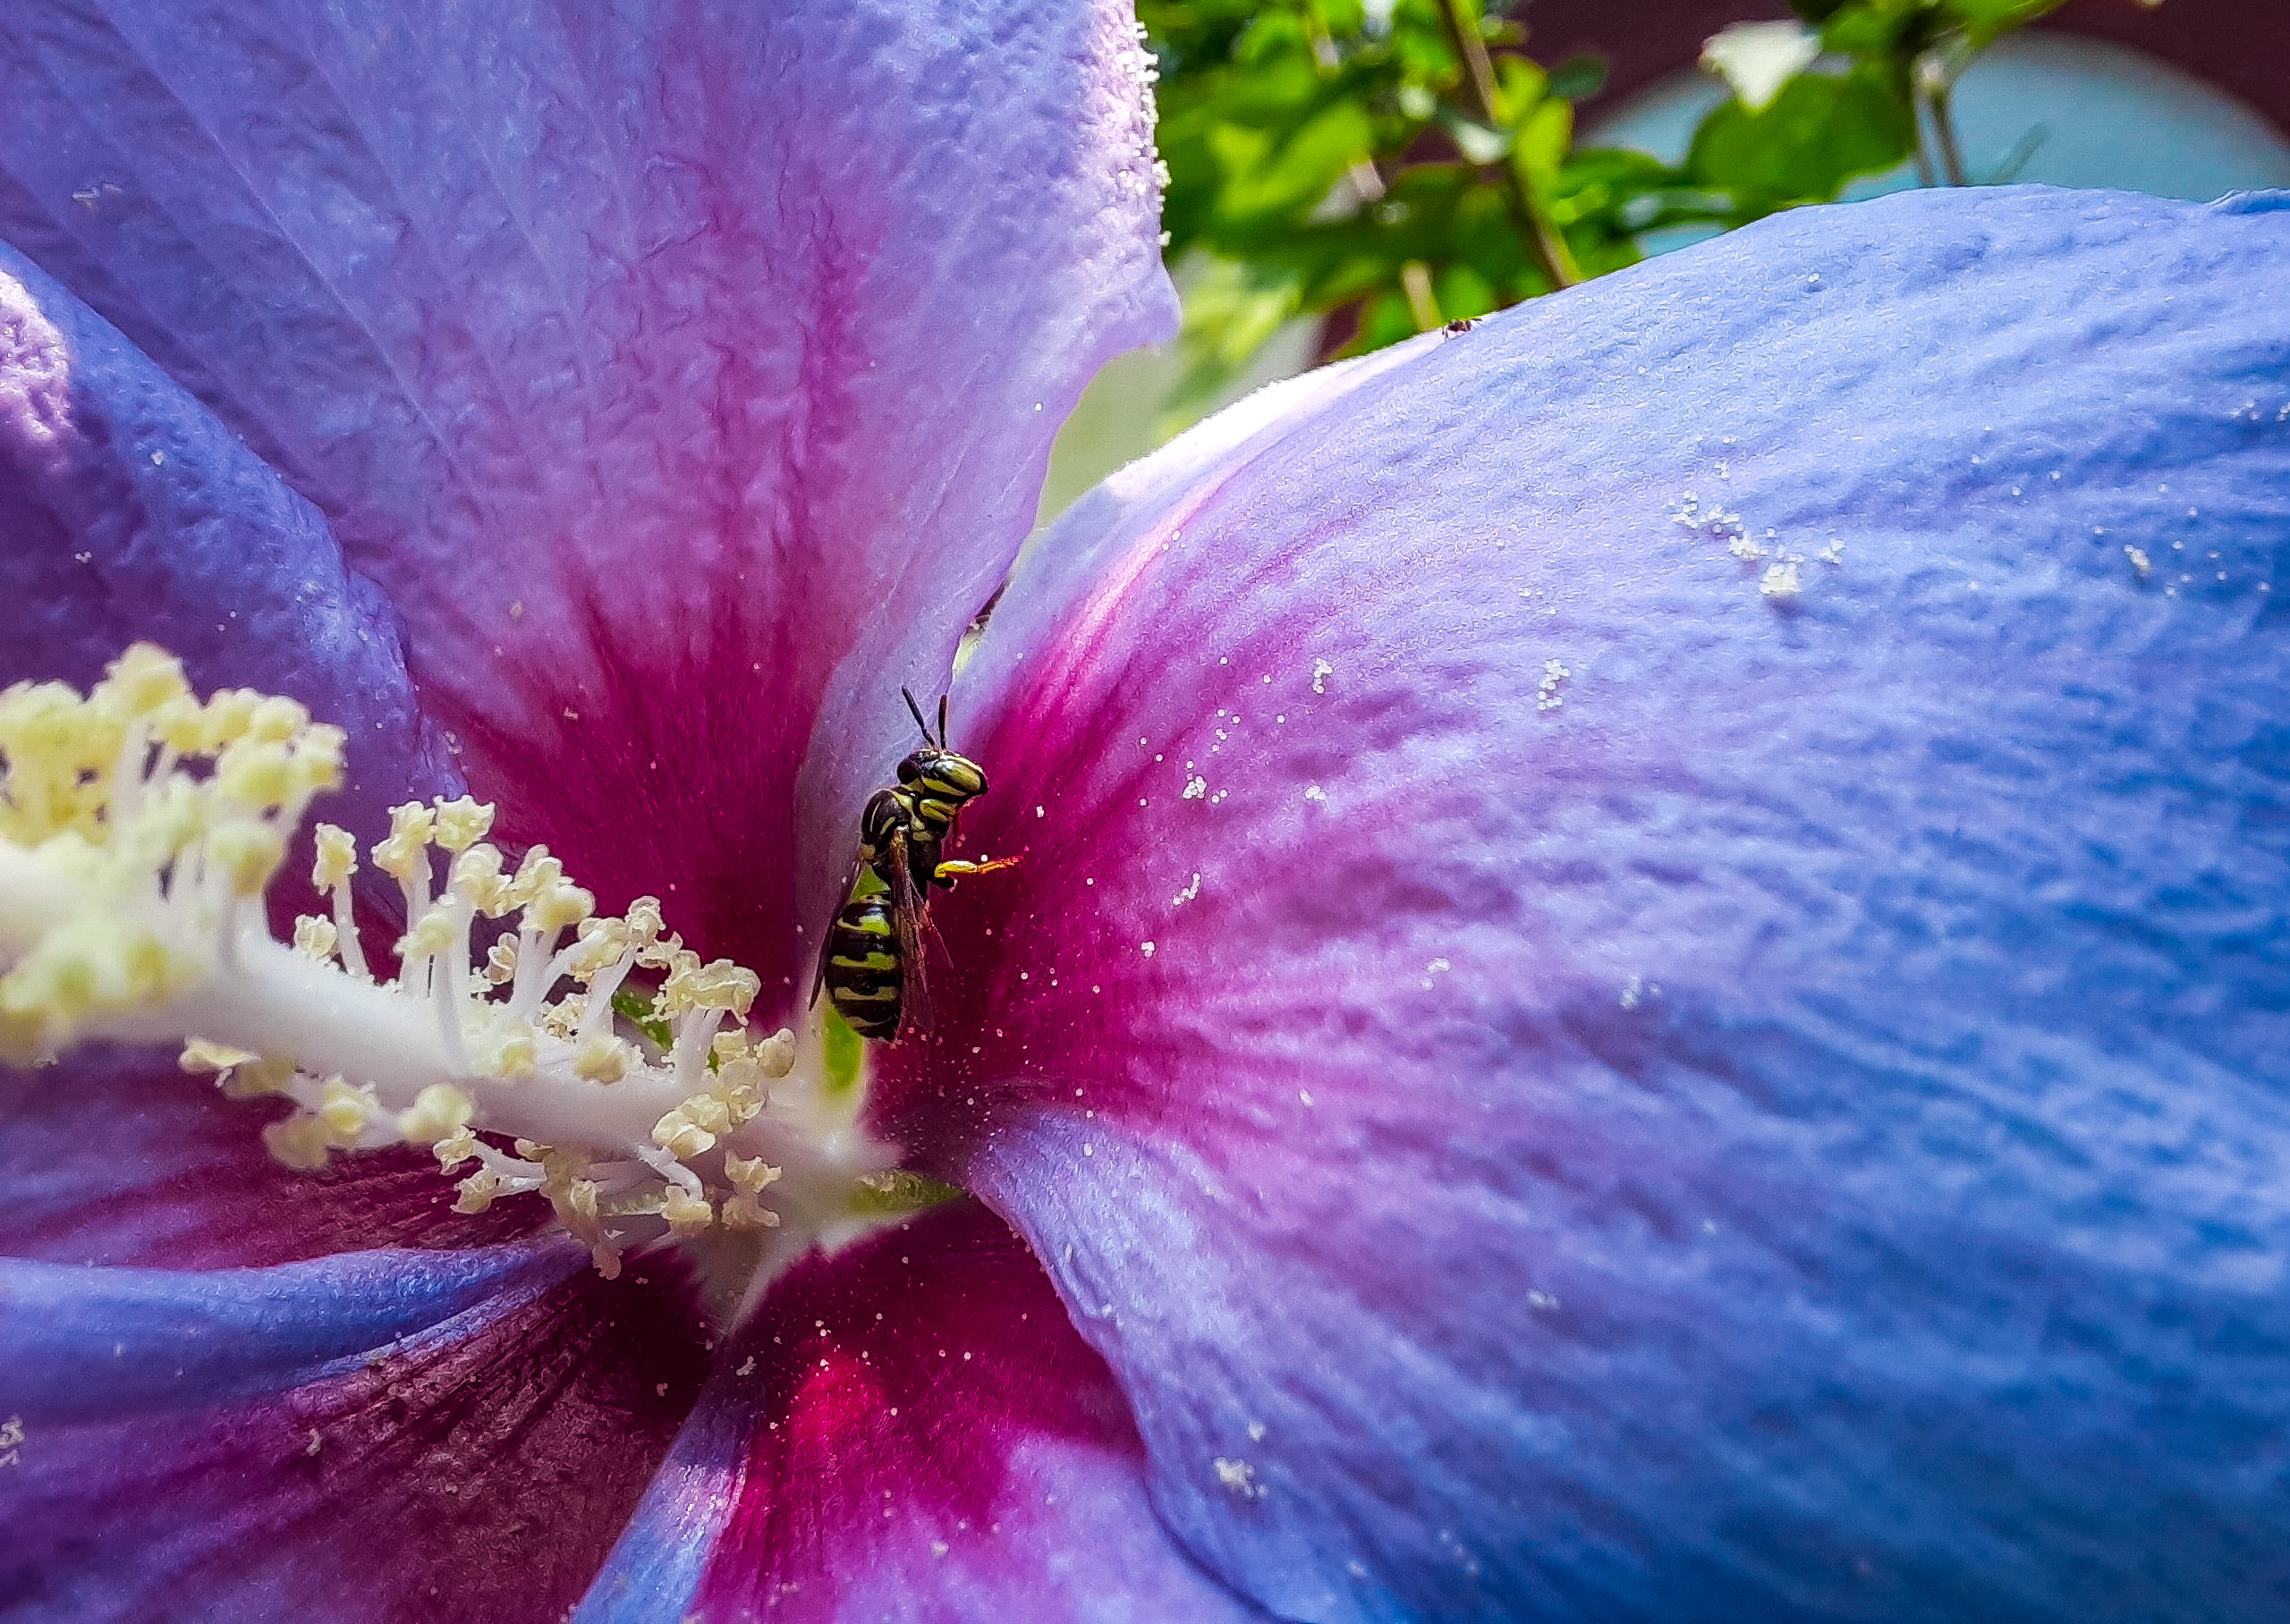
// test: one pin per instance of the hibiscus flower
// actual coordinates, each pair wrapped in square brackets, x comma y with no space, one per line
[1642,983]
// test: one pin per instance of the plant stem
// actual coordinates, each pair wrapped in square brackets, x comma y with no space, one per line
[1926,176]
[1422,303]
[1463,29]
[1546,248]
[1944,131]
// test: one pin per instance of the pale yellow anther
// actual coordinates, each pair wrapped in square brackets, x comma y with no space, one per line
[477,876]
[500,961]
[255,1079]
[509,1054]
[603,1059]
[562,1019]
[203,1058]
[601,944]
[746,1213]
[643,921]
[719,984]
[434,933]
[301,1142]
[338,858]
[142,681]
[345,1111]
[775,1056]
[477,1192]
[741,1093]
[559,905]
[314,937]
[738,987]
[706,1113]
[58,750]
[563,1167]
[461,824]
[665,954]
[681,1137]
[456,1148]
[275,719]
[410,828]
[676,992]
[749,1174]
[688,1214]
[576,1210]
[255,773]
[246,853]
[536,874]
[438,1113]
[180,724]
[229,714]
[319,755]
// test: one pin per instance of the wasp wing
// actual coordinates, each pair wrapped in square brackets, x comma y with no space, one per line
[826,937]
[907,914]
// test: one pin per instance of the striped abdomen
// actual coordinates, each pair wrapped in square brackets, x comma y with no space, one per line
[862,967]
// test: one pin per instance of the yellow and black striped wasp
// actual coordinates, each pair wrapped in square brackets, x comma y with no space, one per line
[871,962]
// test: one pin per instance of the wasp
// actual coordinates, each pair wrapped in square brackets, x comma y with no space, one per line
[870,964]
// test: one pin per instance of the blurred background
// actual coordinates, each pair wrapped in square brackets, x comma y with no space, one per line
[1344,174]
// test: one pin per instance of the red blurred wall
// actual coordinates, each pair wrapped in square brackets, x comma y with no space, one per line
[2241,46]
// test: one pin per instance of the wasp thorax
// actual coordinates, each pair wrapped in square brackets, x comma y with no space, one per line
[593,1061]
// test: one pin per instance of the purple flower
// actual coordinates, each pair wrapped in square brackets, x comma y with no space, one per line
[1647,980]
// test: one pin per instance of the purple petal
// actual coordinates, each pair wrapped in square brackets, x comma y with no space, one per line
[474,1470]
[1779,1114]
[115,1156]
[130,513]
[86,1344]
[909,1430]
[684,374]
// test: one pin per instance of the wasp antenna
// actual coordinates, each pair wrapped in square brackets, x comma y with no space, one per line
[941,722]
[916,711]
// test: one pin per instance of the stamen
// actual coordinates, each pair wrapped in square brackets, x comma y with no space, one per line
[139,828]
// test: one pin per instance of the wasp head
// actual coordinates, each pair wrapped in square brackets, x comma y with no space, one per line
[935,769]
[943,773]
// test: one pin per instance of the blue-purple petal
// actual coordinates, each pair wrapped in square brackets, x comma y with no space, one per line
[1617,1088]
[684,374]
[132,512]
[345,1453]
[84,1344]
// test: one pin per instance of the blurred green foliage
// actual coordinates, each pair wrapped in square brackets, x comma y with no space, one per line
[1411,160]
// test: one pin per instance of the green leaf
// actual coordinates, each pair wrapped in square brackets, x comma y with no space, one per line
[1267,178]
[1524,86]
[1463,292]
[1579,78]
[1984,21]
[1820,131]
[1385,322]
[1543,139]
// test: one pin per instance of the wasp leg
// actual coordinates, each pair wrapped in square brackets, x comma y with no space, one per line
[955,868]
